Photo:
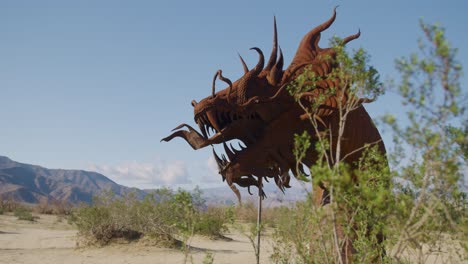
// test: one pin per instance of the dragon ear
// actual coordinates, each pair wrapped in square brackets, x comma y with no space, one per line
[274,50]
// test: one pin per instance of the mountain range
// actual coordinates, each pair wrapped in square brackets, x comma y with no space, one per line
[32,184]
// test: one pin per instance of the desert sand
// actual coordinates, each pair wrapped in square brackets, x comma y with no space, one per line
[51,239]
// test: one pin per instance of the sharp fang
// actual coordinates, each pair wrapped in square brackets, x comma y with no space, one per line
[203,119]
[233,149]
[218,160]
[230,154]
[213,120]
[206,120]
[202,129]
[240,146]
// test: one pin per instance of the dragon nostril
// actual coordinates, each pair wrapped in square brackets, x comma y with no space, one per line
[194,103]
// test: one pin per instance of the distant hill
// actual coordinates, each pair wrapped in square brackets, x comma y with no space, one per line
[31,183]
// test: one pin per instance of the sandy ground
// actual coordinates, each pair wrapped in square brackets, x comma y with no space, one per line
[51,240]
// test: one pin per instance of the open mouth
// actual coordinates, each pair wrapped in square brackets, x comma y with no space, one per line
[222,126]
[238,164]
[225,127]
[215,121]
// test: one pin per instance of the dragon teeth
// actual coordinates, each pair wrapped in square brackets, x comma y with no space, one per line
[229,152]
[202,129]
[234,149]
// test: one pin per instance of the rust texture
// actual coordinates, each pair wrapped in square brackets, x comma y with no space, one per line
[257,110]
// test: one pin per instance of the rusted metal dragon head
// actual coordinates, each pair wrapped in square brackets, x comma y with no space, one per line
[258,111]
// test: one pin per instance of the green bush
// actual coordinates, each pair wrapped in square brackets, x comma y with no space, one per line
[416,211]
[23,214]
[248,213]
[53,207]
[113,217]
[161,216]
[212,222]
[8,204]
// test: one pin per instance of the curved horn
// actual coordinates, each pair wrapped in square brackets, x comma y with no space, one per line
[308,47]
[219,74]
[352,37]
[244,81]
[274,51]
[261,61]
[246,69]
[325,24]
[214,84]
[311,39]
[226,80]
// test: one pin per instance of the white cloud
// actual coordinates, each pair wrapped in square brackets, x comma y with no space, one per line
[145,174]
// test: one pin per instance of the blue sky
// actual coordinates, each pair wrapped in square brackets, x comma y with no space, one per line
[96,84]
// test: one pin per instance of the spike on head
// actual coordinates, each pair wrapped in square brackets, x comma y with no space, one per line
[276,73]
[308,48]
[261,60]
[352,37]
[244,65]
[213,95]
[274,50]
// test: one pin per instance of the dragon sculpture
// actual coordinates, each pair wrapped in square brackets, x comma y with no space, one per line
[259,111]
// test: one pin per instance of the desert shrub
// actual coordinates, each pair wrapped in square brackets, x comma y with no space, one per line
[247,212]
[8,204]
[209,258]
[23,213]
[161,216]
[213,221]
[53,207]
[112,217]
[271,215]
[1,211]
[430,152]
[413,213]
